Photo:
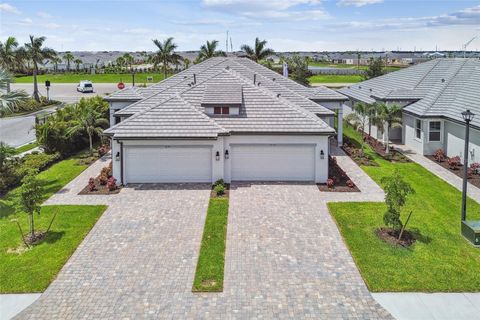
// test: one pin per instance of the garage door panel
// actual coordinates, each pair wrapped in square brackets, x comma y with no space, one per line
[273,162]
[168,164]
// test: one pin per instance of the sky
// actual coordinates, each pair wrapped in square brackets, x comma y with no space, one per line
[287,25]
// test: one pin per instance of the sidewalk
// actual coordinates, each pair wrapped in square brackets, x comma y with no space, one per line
[12,304]
[472,191]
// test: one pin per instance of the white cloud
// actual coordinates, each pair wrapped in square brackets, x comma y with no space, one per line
[44,15]
[5,7]
[357,3]
[256,4]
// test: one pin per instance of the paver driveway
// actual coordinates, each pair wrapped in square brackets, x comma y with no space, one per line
[285,258]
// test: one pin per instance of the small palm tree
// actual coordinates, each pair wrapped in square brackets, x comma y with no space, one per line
[259,52]
[128,59]
[360,118]
[386,117]
[6,152]
[55,61]
[209,50]
[8,56]
[37,54]
[120,61]
[9,100]
[78,62]
[87,119]
[68,57]
[186,63]
[166,54]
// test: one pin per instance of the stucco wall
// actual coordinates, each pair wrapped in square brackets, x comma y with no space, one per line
[409,138]
[454,135]
[117,105]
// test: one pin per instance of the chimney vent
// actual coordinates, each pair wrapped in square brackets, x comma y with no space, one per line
[254,78]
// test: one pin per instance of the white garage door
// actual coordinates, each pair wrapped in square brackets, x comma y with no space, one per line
[168,164]
[281,162]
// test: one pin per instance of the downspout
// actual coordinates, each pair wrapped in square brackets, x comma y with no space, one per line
[121,163]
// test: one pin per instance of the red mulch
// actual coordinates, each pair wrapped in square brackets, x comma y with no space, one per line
[339,177]
[99,189]
[472,178]
[390,236]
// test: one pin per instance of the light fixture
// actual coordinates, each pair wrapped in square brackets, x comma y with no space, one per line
[322,155]
[227,155]
[117,156]
[468,116]
[217,156]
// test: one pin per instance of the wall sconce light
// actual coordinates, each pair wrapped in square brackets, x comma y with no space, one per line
[227,155]
[117,156]
[217,156]
[322,155]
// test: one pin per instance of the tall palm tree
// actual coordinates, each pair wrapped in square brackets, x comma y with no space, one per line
[9,100]
[68,56]
[186,63]
[37,54]
[209,50]
[360,118]
[55,61]
[258,52]
[166,54]
[8,56]
[87,119]
[78,62]
[386,117]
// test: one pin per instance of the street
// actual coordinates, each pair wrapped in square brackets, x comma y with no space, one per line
[17,131]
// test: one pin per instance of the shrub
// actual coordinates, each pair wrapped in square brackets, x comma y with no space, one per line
[37,161]
[350,184]
[112,184]
[439,155]
[219,182]
[454,162]
[106,171]
[103,150]
[475,167]
[330,183]
[91,184]
[219,190]
[103,179]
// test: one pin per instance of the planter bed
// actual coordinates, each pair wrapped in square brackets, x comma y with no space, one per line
[225,195]
[472,178]
[99,189]
[379,148]
[339,178]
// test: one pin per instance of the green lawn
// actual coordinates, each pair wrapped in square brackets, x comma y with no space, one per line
[332,78]
[350,66]
[34,269]
[211,261]
[140,78]
[440,260]
[26,147]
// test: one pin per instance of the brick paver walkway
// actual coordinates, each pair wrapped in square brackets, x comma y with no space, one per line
[285,257]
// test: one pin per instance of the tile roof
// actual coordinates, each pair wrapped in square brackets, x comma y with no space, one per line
[222,94]
[262,111]
[438,88]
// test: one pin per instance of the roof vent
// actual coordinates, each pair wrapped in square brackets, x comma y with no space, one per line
[371,89]
[254,78]
[194,78]
[274,79]
[443,80]
[184,77]
[227,67]
[359,87]
[259,84]
[278,95]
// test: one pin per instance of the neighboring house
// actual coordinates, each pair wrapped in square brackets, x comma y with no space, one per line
[225,118]
[433,95]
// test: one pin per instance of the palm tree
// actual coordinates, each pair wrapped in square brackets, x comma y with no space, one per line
[360,118]
[166,54]
[186,63]
[78,62]
[120,61]
[9,100]
[68,56]
[55,60]
[8,56]
[87,119]
[209,50]
[128,59]
[37,55]
[386,117]
[259,52]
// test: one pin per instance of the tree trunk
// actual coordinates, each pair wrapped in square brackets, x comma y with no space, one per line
[90,140]
[8,86]
[36,95]
[387,141]
[32,225]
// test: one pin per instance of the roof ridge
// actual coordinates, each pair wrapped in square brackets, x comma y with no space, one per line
[284,101]
[437,61]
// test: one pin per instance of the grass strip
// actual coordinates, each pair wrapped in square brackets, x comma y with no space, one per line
[211,261]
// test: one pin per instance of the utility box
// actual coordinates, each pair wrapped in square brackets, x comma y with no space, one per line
[471,231]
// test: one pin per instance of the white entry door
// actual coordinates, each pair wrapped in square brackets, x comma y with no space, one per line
[163,164]
[273,162]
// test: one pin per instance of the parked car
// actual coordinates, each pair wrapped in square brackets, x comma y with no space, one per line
[85,86]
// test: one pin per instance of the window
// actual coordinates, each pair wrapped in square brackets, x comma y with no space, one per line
[435,128]
[221,110]
[418,129]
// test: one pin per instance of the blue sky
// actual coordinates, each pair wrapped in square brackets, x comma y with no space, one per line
[288,25]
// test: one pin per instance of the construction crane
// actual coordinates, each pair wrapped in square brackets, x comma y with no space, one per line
[466,45]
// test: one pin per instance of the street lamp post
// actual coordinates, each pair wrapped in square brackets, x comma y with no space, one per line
[468,117]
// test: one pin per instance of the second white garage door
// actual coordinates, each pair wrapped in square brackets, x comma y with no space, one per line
[160,164]
[267,162]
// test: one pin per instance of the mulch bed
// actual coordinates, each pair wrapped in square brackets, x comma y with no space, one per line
[225,195]
[390,236]
[472,178]
[380,149]
[355,153]
[339,177]
[99,189]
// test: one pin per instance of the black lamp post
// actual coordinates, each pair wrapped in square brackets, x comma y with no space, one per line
[468,117]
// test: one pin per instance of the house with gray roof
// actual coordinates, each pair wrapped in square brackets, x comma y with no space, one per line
[225,118]
[433,96]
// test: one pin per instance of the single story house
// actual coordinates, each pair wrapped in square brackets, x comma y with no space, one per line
[225,118]
[433,96]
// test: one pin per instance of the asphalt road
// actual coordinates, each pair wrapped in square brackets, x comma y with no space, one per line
[17,131]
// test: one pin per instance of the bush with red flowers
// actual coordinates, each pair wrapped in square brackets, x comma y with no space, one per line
[350,184]
[330,183]
[439,155]
[91,184]
[454,162]
[112,184]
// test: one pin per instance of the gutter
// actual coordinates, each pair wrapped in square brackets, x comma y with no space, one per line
[440,117]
